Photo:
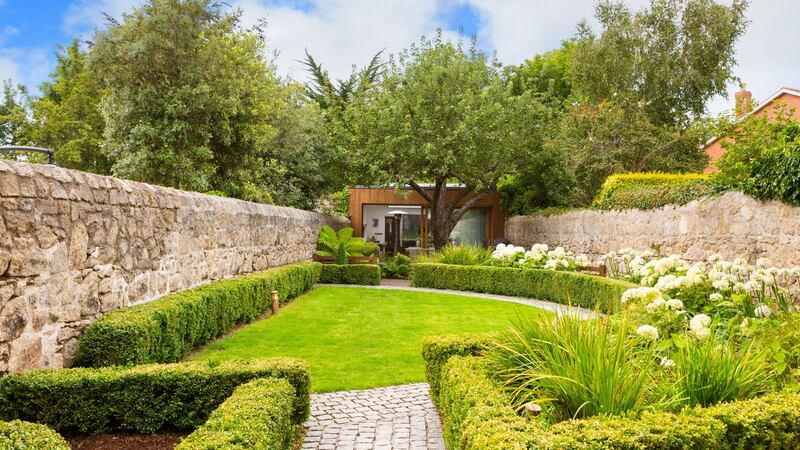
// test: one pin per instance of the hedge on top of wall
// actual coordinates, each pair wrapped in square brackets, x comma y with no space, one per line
[363,274]
[568,288]
[652,190]
[476,414]
[18,435]
[142,398]
[257,415]
[167,329]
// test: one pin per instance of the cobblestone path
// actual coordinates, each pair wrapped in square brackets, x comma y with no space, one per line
[395,417]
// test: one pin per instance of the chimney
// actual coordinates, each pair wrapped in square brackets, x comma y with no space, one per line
[744,101]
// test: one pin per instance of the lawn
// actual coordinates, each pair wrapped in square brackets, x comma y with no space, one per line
[357,338]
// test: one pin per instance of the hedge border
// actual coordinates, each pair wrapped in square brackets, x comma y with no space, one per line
[142,398]
[361,274]
[652,190]
[167,329]
[568,288]
[256,415]
[437,350]
[478,415]
[19,435]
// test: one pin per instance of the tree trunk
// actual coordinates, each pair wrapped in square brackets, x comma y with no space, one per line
[445,215]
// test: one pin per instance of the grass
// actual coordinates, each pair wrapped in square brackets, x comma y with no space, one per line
[357,338]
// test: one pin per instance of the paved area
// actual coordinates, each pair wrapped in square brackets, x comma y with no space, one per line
[390,418]
[557,308]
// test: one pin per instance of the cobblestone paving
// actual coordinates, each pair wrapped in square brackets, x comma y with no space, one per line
[396,418]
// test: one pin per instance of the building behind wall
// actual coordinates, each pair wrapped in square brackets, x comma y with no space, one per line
[370,209]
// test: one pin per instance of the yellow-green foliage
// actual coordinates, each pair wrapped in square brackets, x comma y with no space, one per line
[18,435]
[652,190]
[436,350]
[167,329]
[257,415]
[568,288]
[142,398]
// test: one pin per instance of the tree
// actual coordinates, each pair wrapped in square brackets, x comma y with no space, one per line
[67,117]
[327,93]
[13,114]
[440,114]
[190,98]
[549,72]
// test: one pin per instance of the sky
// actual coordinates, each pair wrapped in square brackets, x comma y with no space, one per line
[343,33]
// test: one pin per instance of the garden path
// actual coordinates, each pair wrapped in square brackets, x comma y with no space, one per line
[549,306]
[388,418]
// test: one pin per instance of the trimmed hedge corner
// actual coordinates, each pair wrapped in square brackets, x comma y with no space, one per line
[166,330]
[257,415]
[141,398]
[436,350]
[568,288]
[364,274]
[478,415]
[18,435]
[652,190]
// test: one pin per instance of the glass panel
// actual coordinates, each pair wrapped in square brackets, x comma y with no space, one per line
[411,227]
[471,229]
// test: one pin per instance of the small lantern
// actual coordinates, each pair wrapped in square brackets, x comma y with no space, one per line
[275,302]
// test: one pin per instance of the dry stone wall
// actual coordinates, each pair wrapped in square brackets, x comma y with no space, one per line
[733,225]
[75,245]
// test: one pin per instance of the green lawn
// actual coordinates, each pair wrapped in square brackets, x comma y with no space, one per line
[357,338]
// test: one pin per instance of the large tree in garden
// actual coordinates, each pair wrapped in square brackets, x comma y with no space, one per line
[190,97]
[442,114]
[67,117]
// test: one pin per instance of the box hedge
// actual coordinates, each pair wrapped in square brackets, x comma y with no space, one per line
[257,415]
[569,288]
[652,190]
[18,435]
[364,274]
[478,415]
[142,398]
[167,329]
[436,350]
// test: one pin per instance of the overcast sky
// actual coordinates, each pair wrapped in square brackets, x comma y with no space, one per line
[340,33]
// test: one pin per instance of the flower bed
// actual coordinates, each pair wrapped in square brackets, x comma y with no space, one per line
[362,274]
[18,435]
[167,329]
[568,288]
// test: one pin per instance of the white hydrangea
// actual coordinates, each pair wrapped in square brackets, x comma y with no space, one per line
[503,251]
[667,363]
[674,304]
[648,332]
[763,310]
[699,325]
[763,262]
[643,294]
[655,305]
[716,296]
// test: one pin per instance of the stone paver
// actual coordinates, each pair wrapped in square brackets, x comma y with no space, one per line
[390,418]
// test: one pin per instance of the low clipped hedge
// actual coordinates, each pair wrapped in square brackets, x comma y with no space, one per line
[18,435]
[437,350]
[569,288]
[652,190]
[167,329]
[257,415]
[364,274]
[142,398]
[478,415]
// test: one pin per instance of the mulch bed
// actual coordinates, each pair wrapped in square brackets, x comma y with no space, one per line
[126,441]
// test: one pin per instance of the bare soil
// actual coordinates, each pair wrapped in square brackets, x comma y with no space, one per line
[126,441]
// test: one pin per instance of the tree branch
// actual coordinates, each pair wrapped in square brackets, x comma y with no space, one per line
[472,201]
[421,191]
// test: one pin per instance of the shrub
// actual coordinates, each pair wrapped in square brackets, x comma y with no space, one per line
[775,175]
[257,415]
[140,398]
[567,288]
[768,422]
[461,255]
[652,190]
[165,330]
[436,350]
[396,267]
[18,435]
[364,274]
[475,414]
[575,367]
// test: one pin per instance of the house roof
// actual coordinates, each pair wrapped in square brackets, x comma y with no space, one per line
[782,91]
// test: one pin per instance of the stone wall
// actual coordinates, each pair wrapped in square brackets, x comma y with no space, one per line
[75,245]
[733,225]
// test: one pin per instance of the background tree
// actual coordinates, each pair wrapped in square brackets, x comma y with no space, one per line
[441,113]
[13,114]
[67,117]
[190,98]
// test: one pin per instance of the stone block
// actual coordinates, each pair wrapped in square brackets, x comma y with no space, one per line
[24,353]
[78,245]
[9,186]
[13,318]
[27,259]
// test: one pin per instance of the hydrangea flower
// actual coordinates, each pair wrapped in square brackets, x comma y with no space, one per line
[666,362]
[699,325]
[648,332]
[674,304]
[763,310]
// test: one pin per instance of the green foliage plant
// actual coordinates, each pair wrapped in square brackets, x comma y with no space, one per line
[363,274]
[652,190]
[257,414]
[343,244]
[398,266]
[167,329]
[144,398]
[19,435]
